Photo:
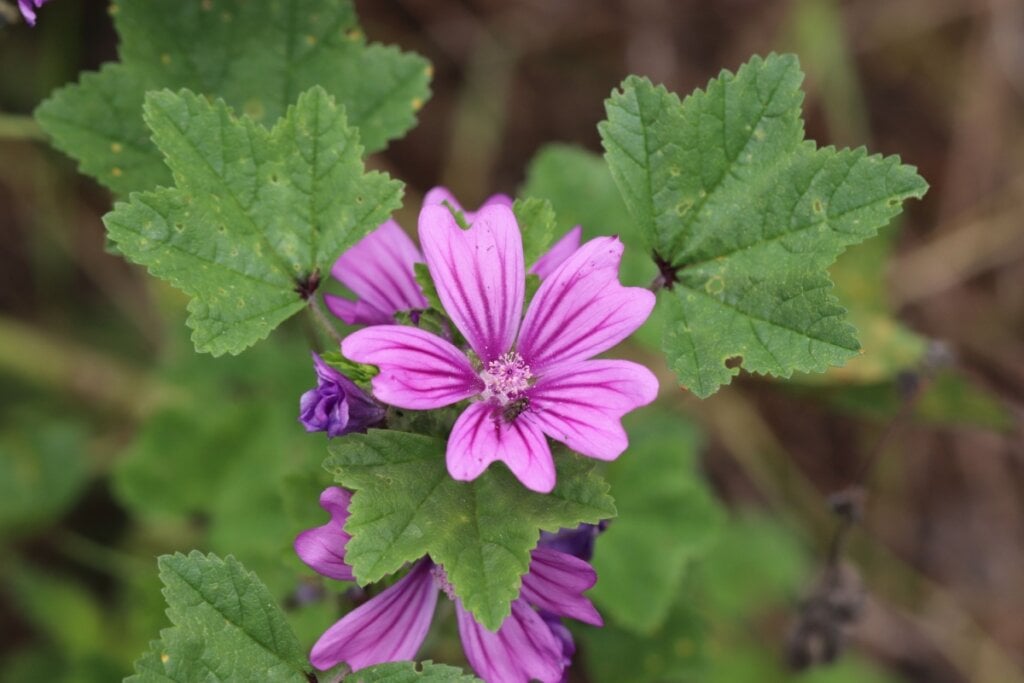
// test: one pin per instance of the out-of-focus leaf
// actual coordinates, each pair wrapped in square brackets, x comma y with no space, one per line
[406,505]
[672,652]
[754,564]
[43,467]
[667,516]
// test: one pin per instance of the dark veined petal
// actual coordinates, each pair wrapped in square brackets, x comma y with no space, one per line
[557,254]
[390,627]
[581,309]
[479,274]
[379,269]
[323,547]
[581,404]
[556,582]
[481,435]
[524,648]
[439,196]
[418,370]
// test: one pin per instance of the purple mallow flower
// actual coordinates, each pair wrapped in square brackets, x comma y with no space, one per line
[380,268]
[531,644]
[524,380]
[28,9]
[336,406]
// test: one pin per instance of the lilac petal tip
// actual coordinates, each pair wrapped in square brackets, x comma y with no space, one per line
[418,370]
[479,274]
[524,648]
[556,582]
[380,270]
[481,435]
[581,404]
[390,627]
[557,254]
[323,548]
[581,309]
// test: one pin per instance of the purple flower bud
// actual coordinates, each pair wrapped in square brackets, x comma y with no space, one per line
[578,542]
[336,406]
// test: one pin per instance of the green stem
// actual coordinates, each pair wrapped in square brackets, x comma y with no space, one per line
[15,127]
[322,321]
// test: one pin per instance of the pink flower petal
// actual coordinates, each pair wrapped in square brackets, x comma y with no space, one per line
[581,310]
[388,628]
[479,274]
[357,312]
[524,648]
[581,404]
[439,195]
[379,270]
[556,582]
[481,435]
[556,255]
[418,370]
[323,548]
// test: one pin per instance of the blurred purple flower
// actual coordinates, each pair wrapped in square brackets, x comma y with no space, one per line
[380,268]
[578,542]
[525,380]
[531,644]
[337,405]
[28,9]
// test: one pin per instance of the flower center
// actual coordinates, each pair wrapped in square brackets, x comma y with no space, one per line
[441,581]
[506,378]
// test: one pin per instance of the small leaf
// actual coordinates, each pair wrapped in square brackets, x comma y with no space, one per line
[257,55]
[226,627]
[745,216]
[43,469]
[427,286]
[408,672]
[536,219]
[255,216]
[407,505]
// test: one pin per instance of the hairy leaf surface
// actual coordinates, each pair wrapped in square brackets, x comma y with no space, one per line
[406,505]
[744,216]
[258,55]
[257,215]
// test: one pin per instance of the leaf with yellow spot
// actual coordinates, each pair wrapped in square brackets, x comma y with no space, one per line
[227,627]
[257,55]
[744,216]
[256,215]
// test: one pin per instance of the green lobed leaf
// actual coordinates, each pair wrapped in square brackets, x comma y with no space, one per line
[536,218]
[258,55]
[226,627]
[667,518]
[255,216]
[406,505]
[408,672]
[748,216]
